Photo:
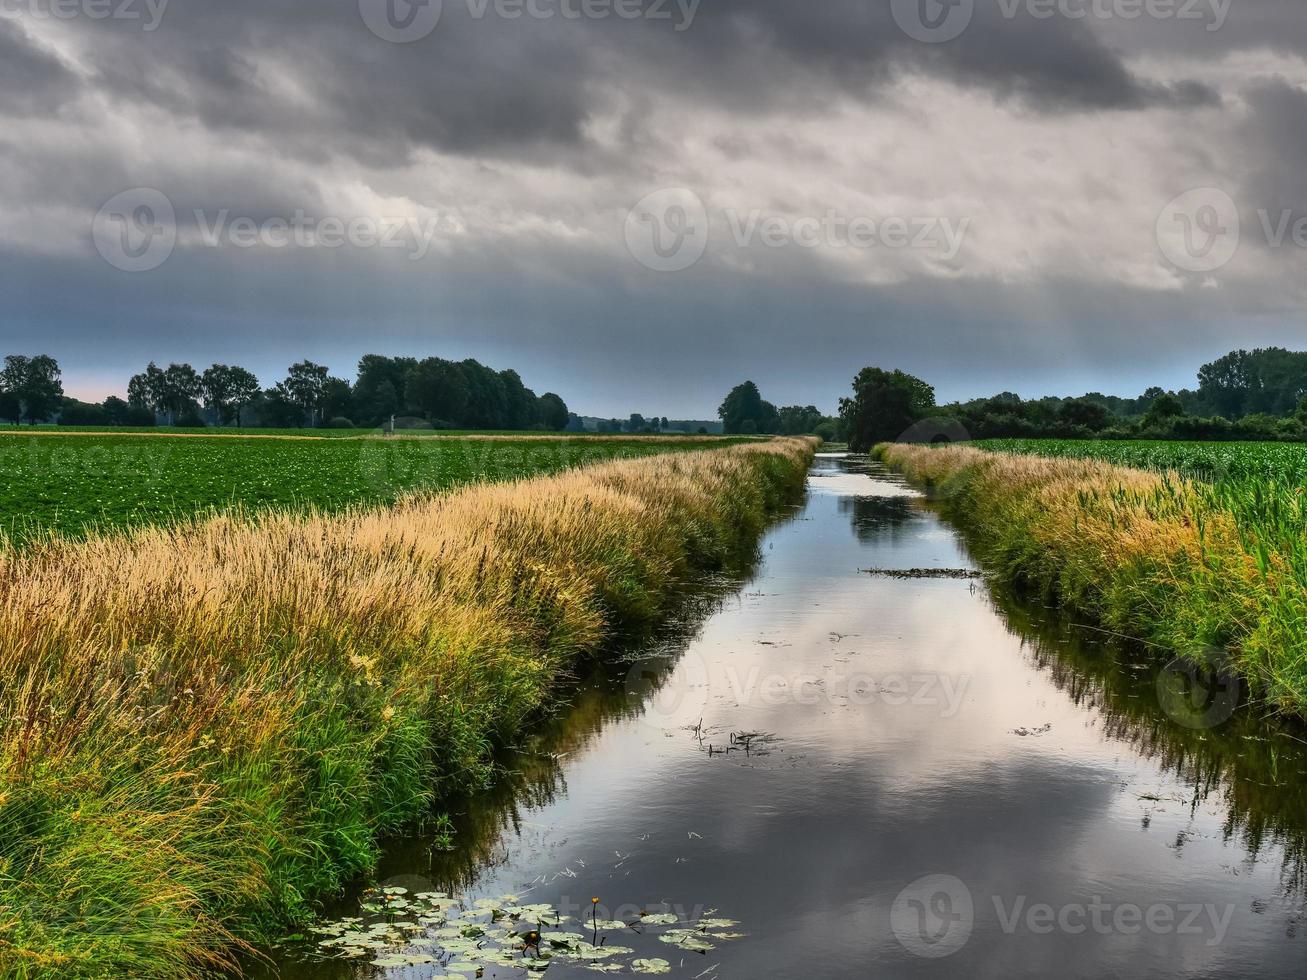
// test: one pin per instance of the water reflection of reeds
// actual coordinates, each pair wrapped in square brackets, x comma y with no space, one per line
[1253,766]
[531,775]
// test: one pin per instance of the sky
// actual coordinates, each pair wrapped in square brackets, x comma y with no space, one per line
[639,203]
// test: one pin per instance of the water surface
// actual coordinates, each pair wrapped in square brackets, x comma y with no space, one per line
[891,777]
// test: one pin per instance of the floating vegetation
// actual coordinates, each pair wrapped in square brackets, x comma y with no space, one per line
[750,744]
[906,573]
[492,937]
[1033,732]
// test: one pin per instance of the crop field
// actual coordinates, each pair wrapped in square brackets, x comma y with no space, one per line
[74,484]
[1208,461]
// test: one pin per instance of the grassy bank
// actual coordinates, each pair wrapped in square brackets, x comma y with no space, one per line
[1192,566]
[207,726]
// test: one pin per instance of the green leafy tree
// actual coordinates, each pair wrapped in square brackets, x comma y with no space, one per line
[379,387]
[337,400]
[744,412]
[794,420]
[522,410]
[439,390]
[228,390]
[305,385]
[885,404]
[11,407]
[553,412]
[1082,413]
[1166,408]
[278,410]
[171,393]
[35,382]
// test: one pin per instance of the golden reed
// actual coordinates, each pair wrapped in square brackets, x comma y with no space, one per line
[206,727]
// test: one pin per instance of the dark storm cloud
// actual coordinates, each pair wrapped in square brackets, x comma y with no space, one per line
[1275,141]
[319,84]
[32,80]
[554,128]
[1052,65]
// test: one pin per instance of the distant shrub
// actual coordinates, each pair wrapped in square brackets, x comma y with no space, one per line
[340,422]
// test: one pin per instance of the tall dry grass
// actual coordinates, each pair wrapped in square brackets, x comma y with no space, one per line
[1151,555]
[205,727]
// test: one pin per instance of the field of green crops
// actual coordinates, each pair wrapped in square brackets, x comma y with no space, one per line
[74,484]
[1277,462]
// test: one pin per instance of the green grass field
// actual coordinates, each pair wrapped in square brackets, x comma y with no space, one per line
[75,484]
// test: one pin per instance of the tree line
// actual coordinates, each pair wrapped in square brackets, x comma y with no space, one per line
[430,392]
[1257,395]
[746,412]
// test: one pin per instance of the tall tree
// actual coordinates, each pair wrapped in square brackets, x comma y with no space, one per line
[35,381]
[305,385]
[228,390]
[167,392]
[438,389]
[521,410]
[337,400]
[885,404]
[744,412]
[553,412]
[380,386]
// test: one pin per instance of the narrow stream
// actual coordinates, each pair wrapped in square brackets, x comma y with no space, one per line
[890,777]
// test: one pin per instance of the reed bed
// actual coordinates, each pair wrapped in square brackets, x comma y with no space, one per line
[1194,567]
[206,727]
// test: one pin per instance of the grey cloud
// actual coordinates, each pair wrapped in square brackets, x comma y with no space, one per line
[529,86]
[32,80]
[1274,141]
